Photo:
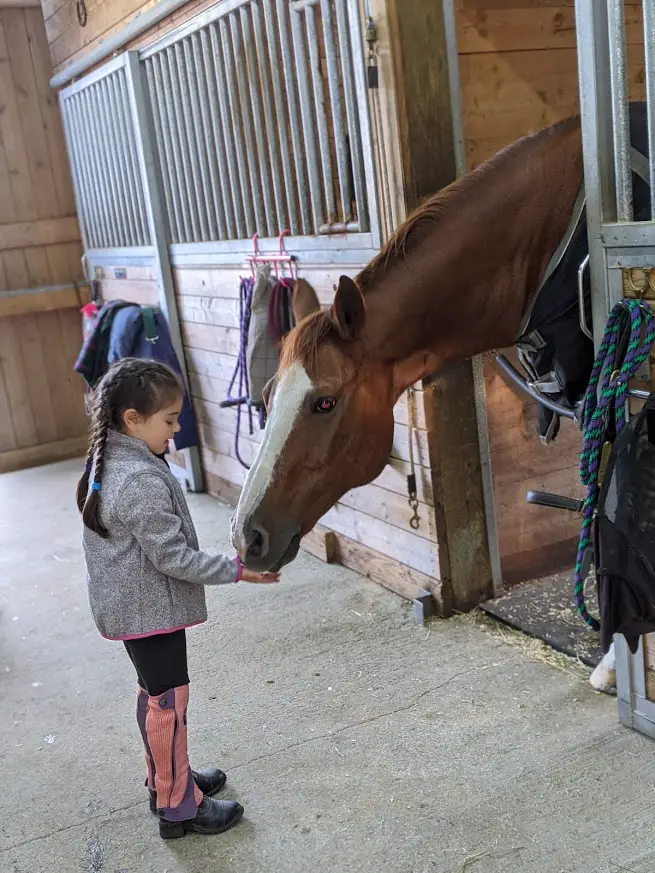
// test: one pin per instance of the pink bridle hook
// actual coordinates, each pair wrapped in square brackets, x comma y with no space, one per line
[283,253]
[280,240]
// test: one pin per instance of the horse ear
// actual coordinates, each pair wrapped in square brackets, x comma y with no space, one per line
[304,300]
[348,309]
[411,370]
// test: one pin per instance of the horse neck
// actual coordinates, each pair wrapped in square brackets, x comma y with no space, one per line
[466,278]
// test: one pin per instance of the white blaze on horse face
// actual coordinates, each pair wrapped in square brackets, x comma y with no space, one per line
[293,387]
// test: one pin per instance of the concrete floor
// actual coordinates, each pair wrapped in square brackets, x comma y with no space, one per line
[356,740]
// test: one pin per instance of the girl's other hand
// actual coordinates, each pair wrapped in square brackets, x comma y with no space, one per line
[259,578]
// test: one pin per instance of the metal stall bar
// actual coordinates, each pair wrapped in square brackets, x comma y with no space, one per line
[190,158]
[99,147]
[295,129]
[165,96]
[233,166]
[109,137]
[321,116]
[158,227]
[267,75]
[278,112]
[274,221]
[236,131]
[130,129]
[88,162]
[122,157]
[308,121]
[341,143]
[240,97]
[368,216]
[649,60]
[225,201]
[88,173]
[162,137]
[618,65]
[176,120]
[199,151]
[352,119]
[82,196]
[215,205]
[597,147]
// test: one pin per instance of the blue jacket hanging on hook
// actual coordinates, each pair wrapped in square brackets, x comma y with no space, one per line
[142,332]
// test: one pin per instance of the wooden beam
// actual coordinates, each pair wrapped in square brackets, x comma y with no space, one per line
[46,453]
[45,301]
[322,543]
[28,234]
[420,59]
[20,4]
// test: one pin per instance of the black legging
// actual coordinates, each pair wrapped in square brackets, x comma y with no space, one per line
[160,661]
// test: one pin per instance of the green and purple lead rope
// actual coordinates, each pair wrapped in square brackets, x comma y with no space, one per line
[603,392]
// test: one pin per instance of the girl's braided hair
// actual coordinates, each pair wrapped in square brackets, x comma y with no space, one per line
[132,383]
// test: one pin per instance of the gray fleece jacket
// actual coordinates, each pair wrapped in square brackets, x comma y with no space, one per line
[148,576]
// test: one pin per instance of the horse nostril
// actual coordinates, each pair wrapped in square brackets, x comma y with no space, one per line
[258,546]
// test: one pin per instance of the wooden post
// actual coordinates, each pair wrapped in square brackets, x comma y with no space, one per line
[420,58]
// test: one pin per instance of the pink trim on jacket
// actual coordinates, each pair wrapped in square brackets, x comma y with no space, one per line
[168,630]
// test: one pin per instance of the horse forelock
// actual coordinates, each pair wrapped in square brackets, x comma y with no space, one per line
[303,344]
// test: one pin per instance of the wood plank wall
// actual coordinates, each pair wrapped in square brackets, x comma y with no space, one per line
[518,70]
[41,399]
[68,40]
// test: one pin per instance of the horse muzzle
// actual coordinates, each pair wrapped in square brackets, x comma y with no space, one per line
[264,549]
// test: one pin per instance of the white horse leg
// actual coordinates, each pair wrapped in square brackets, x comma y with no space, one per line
[604,676]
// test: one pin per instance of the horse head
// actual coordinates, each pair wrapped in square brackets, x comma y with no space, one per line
[329,428]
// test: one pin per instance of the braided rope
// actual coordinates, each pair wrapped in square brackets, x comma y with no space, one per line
[606,395]
[246,289]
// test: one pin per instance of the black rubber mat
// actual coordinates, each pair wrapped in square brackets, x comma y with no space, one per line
[543,609]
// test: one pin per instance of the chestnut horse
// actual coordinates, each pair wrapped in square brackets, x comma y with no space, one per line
[454,281]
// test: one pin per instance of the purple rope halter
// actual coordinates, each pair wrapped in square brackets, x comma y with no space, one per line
[241,367]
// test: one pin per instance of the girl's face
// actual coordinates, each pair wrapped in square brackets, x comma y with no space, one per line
[154,430]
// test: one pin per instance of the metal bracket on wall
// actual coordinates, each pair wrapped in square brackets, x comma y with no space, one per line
[424,606]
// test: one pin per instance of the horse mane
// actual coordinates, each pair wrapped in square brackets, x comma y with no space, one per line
[304,341]
[439,207]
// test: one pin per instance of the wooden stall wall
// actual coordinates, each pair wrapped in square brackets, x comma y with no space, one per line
[68,41]
[41,400]
[518,73]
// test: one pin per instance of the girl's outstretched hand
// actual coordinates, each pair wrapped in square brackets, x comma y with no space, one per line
[259,578]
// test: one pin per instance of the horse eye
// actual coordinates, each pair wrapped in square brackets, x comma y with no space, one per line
[324,404]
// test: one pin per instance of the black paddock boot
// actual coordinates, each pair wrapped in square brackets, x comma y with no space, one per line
[213,817]
[209,781]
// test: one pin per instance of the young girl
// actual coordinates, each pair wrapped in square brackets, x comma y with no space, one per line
[145,577]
